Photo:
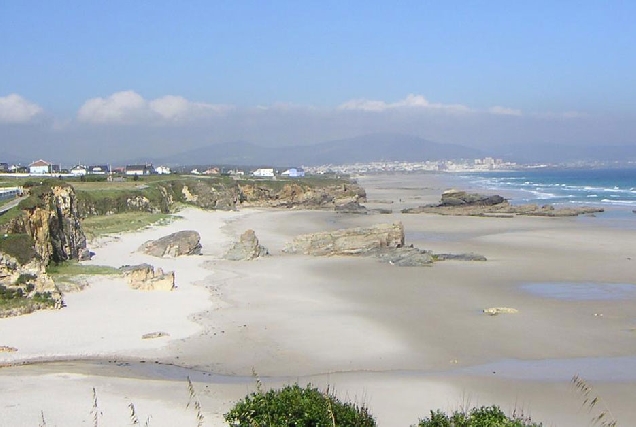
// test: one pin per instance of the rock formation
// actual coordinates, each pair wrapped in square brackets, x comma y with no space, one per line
[187,242]
[299,194]
[145,277]
[351,208]
[461,203]
[26,286]
[496,311]
[51,218]
[404,256]
[460,257]
[352,241]
[247,248]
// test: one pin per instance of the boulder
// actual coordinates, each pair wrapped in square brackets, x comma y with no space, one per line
[145,277]
[247,248]
[187,242]
[351,241]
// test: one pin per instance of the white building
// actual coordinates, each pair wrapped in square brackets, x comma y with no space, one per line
[163,170]
[40,167]
[264,173]
[139,169]
[78,170]
[294,173]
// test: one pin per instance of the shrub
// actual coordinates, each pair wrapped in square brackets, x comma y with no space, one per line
[298,407]
[19,246]
[485,416]
[25,278]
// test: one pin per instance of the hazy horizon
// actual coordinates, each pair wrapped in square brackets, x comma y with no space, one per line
[115,81]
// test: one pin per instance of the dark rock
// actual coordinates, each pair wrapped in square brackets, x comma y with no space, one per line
[351,208]
[405,257]
[187,242]
[460,203]
[459,257]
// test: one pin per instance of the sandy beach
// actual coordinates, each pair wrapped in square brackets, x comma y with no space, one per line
[403,341]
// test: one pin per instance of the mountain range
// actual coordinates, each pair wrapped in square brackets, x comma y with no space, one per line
[362,149]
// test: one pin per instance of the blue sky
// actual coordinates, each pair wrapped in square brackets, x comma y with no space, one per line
[270,63]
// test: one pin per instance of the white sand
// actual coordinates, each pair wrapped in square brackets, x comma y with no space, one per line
[401,340]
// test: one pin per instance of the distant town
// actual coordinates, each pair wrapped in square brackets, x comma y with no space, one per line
[45,168]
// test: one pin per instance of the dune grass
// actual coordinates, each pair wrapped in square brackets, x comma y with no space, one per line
[72,268]
[96,226]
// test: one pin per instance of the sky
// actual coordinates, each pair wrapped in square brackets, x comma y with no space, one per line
[110,80]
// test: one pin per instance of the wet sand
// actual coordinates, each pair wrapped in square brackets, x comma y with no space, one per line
[401,340]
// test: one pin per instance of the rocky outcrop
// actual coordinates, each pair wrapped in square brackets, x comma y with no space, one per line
[461,203]
[145,277]
[246,249]
[351,241]
[187,242]
[51,218]
[351,208]
[460,257]
[299,194]
[462,198]
[26,287]
[404,256]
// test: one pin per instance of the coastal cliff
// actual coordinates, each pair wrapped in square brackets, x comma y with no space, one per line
[219,193]
[50,217]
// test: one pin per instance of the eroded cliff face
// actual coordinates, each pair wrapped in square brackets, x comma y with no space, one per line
[52,221]
[254,194]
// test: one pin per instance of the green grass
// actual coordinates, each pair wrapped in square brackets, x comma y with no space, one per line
[72,268]
[19,246]
[95,226]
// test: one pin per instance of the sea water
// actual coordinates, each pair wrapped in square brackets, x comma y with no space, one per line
[612,189]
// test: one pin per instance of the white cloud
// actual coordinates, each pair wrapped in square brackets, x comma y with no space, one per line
[130,107]
[15,109]
[504,111]
[411,101]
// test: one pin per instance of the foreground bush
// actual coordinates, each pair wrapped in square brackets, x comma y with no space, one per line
[490,416]
[293,406]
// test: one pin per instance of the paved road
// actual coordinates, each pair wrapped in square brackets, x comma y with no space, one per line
[12,204]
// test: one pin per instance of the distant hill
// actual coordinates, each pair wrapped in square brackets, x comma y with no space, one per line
[363,149]
[559,153]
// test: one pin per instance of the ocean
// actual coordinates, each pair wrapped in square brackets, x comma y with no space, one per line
[612,189]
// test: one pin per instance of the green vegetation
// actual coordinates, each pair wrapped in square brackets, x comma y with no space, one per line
[19,246]
[95,226]
[296,406]
[11,298]
[485,416]
[73,268]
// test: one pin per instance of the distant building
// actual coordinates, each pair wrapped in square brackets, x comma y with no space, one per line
[98,170]
[294,173]
[212,171]
[264,173]
[163,170]
[79,170]
[139,169]
[40,167]
[4,167]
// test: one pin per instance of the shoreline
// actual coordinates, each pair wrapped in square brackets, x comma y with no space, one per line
[408,339]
